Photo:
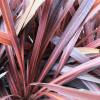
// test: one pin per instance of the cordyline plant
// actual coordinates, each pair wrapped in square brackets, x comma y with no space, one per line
[50,49]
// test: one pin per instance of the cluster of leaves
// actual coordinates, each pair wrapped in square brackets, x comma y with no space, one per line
[50,49]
